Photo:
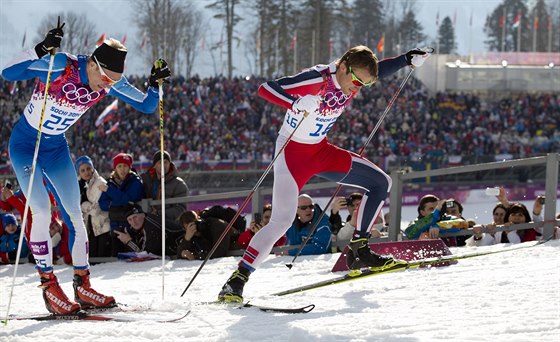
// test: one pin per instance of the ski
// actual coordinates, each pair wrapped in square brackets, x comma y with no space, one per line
[401,267]
[84,316]
[294,310]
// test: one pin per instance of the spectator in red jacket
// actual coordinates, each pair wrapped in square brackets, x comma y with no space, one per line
[255,226]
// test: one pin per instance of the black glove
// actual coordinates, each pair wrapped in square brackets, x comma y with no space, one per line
[410,54]
[159,71]
[52,40]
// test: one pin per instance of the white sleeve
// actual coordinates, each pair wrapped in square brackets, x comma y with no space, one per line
[345,233]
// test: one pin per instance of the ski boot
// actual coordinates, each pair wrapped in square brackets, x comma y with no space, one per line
[88,297]
[360,256]
[55,299]
[232,291]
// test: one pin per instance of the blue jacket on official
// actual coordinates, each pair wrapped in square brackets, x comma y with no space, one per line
[319,243]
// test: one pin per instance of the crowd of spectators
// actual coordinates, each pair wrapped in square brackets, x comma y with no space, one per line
[216,119]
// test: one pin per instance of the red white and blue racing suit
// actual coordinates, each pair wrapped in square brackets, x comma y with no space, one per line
[69,97]
[309,153]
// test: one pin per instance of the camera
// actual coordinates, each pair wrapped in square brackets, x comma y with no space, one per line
[8,185]
[258,218]
[492,191]
[449,204]
[200,225]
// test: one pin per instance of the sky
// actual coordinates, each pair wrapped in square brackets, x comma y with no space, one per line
[116,19]
[511,296]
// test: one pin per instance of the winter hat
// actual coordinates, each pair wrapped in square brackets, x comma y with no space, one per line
[122,158]
[8,219]
[83,160]
[109,57]
[157,157]
[134,209]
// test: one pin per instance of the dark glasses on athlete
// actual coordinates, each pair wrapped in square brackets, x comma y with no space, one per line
[357,81]
[104,77]
[305,207]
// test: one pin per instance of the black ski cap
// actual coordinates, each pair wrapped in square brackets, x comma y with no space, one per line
[110,58]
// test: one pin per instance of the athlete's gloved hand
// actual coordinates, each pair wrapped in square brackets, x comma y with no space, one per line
[160,72]
[416,57]
[52,40]
[307,104]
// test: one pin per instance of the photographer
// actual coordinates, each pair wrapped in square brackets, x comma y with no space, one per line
[145,233]
[259,221]
[199,237]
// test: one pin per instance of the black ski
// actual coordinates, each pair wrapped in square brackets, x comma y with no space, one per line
[409,265]
[294,310]
[84,316]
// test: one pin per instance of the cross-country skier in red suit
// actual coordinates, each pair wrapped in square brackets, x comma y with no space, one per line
[322,92]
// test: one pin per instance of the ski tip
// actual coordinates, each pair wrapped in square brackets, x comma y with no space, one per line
[289,266]
[308,308]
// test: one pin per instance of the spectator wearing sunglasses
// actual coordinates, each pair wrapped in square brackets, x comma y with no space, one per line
[71,85]
[307,214]
[314,99]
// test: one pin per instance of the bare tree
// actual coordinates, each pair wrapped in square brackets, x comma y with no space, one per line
[226,11]
[172,29]
[79,32]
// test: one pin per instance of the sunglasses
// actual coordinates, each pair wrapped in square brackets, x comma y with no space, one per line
[357,81]
[305,207]
[104,77]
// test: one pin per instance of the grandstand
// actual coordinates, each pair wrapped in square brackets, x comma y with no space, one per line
[221,134]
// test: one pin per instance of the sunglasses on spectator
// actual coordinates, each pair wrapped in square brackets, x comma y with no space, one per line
[357,81]
[104,77]
[305,207]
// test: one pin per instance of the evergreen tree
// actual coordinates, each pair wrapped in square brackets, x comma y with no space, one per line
[367,23]
[446,37]
[411,31]
[501,35]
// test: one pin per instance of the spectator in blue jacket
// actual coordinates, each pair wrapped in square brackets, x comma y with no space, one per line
[307,214]
[9,239]
[123,189]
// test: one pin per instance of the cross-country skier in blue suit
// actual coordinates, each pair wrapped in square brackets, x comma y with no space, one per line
[77,83]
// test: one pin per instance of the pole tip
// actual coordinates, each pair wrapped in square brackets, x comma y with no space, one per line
[289,266]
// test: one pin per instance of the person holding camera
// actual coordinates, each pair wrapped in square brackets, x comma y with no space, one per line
[196,241]
[200,234]
[145,233]
[259,221]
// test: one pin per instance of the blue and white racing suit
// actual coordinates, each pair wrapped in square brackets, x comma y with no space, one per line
[69,97]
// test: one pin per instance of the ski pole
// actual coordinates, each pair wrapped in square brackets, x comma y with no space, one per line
[362,150]
[243,205]
[162,187]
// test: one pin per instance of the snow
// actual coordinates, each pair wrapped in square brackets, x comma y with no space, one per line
[511,296]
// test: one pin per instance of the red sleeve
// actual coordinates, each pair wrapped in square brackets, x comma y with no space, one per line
[244,239]
[284,91]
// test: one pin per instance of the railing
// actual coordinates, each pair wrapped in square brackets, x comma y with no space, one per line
[551,187]
[399,178]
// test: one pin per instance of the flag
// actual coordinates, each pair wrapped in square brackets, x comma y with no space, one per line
[86,40]
[437,18]
[100,40]
[549,23]
[203,43]
[536,23]
[107,113]
[144,39]
[454,17]
[124,39]
[502,21]
[294,41]
[381,43]
[23,40]
[113,128]
[517,20]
